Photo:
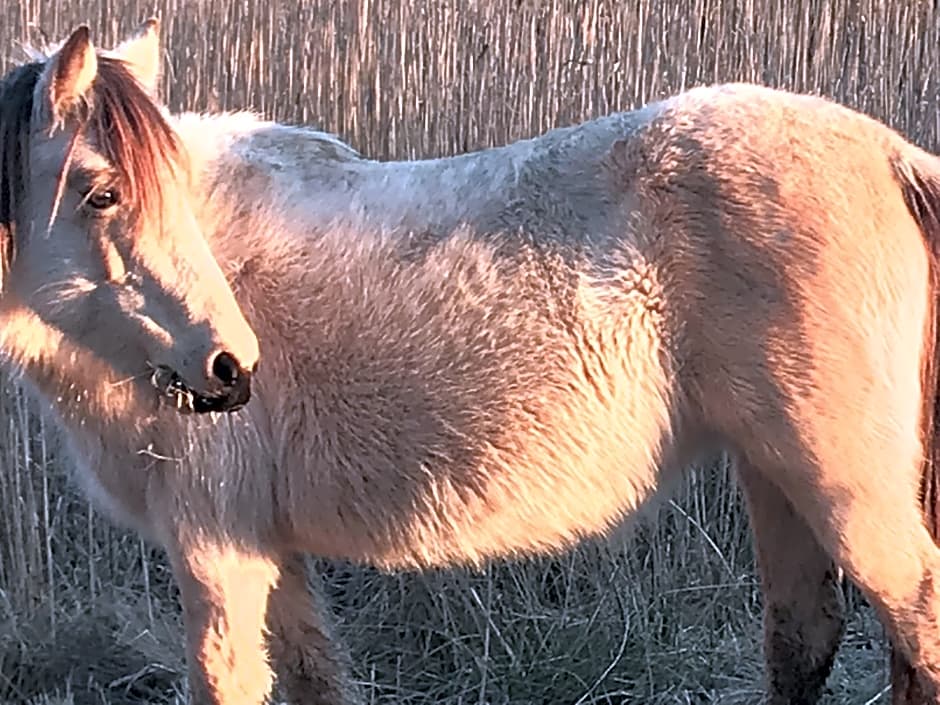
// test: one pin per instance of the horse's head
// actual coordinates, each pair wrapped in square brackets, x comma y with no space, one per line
[97,233]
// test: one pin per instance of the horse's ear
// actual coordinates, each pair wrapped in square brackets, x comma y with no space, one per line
[68,75]
[141,53]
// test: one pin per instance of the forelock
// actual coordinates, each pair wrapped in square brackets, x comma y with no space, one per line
[132,133]
[128,128]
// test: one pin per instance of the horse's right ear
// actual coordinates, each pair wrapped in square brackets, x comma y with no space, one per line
[68,76]
[141,52]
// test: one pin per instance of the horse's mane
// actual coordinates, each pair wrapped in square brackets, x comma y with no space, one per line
[127,126]
[16,108]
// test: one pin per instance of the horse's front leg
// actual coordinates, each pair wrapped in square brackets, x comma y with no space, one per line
[312,666]
[224,590]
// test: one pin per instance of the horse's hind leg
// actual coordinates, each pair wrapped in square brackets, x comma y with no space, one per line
[861,500]
[311,665]
[803,601]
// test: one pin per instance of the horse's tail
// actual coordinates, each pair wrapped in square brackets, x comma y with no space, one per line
[918,175]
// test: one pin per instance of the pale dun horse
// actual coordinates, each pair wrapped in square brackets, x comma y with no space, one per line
[488,355]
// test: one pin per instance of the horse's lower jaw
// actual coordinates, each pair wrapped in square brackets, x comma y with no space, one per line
[211,404]
[186,400]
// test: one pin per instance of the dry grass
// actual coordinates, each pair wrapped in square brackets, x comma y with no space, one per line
[669,614]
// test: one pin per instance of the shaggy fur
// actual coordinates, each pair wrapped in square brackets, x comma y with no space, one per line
[504,352]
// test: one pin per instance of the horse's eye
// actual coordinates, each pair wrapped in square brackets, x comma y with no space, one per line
[103,199]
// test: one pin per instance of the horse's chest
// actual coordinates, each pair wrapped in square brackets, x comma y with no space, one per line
[111,483]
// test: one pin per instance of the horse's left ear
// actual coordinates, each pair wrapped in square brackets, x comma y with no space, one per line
[141,53]
[68,75]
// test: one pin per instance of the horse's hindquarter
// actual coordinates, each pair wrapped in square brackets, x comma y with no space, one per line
[801,278]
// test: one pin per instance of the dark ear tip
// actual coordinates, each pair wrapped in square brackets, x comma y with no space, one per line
[82,32]
[79,36]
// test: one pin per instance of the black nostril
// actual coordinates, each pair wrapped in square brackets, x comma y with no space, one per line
[225,368]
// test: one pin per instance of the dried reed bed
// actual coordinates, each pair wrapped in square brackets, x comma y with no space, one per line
[669,614]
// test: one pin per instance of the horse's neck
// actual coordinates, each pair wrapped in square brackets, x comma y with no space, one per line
[314,181]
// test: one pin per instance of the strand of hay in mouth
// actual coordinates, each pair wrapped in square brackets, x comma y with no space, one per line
[171,386]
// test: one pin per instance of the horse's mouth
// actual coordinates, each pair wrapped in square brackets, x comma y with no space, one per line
[187,400]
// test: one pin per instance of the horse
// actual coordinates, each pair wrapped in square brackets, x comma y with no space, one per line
[501,353]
